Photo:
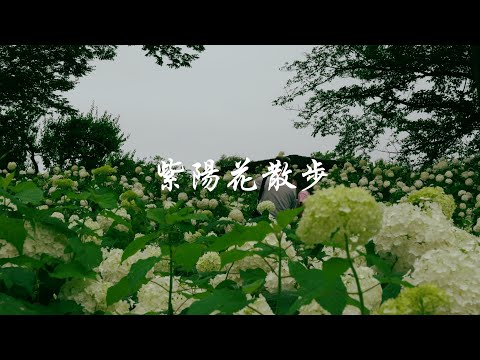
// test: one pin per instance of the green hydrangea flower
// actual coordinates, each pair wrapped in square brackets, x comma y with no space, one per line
[421,300]
[104,170]
[333,213]
[63,183]
[436,195]
[128,195]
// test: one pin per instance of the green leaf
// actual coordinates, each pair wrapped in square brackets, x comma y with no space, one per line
[187,255]
[227,284]
[12,306]
[7,180]
[176,218]
[13,231]
[227,301]
[390,291]
[138,244]
[72,270]
[382,266]
[251,275]
[28,192]
[252,287]
[104,198]
[157,215]
[328,290]
[88,254]
[19,277]
[286,217]
[335,266]
[117,218]
[65,307]
[234,255]
[240,235]
[130,284]
[23,261]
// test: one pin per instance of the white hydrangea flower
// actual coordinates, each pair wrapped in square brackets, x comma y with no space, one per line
[363,181]
[203,204]
[83,173]
[153,296]
[408,233]
[44,240]
[266,205]
[288,282]
[210,261]
[212,203]
[236,215]
[123,213]
[11,166]
[469,182]
[189,237]
[424,176]
[58,215]
[456,272]
[182,196]
[7,250]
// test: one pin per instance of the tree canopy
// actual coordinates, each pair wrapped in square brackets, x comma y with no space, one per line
[425,97]
[33,79]
[85,139]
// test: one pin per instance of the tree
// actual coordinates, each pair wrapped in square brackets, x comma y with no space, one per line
[82,139]
[33,78]
[425,95]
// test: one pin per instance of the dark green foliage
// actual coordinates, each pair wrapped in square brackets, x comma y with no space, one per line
[425,95]
[86,139]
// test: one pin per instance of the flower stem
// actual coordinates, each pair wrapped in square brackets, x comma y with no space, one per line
[170,288]
[279,272]
[355,275]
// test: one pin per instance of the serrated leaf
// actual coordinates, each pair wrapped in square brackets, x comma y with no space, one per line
[7,180]
[252,287]
[329,291]
[23,261]
[177,218]
[130,283]
[138,244]
[87,254]
[28,192]
[106,199]
[187,255]
[382,266]
[390,291]
[227,301]
[157,215]
[234,255]
[72,270]
[240,235]
[335,266]
[19,277]
[286,217]
[13,231]
[12,306]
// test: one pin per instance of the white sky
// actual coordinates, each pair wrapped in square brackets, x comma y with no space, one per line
[221,105]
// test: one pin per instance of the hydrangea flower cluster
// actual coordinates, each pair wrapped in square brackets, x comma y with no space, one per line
[335,213]
[424,299]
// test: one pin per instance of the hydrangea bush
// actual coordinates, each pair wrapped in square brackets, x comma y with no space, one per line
[374,238]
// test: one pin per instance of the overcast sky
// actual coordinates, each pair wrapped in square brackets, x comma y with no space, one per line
[221,105]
